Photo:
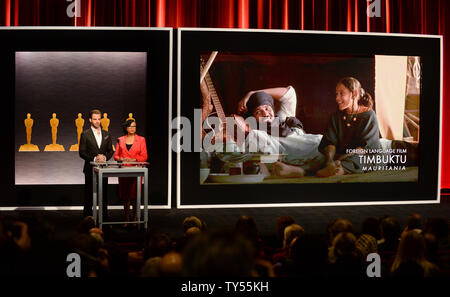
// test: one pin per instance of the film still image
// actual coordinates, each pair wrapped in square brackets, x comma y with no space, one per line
[309,118]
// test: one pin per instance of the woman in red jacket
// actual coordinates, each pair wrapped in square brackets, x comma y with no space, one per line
[130,148]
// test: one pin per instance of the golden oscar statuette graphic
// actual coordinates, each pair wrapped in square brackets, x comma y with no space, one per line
[29,147]
[54,147]
[79,123]
[105,125]
[130,117]
[105,122]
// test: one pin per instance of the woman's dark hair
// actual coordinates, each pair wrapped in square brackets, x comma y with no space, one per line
[126,125]
[371,226]
[351,83]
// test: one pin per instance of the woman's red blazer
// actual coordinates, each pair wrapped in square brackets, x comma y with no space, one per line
[137,151]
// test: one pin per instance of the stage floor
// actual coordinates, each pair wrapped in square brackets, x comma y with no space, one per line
[313,219]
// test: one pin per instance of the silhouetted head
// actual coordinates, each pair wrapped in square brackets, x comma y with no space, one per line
[192,232]
[290,233]
[158,245]
[95,117]
[192,221]
[415,222]
[345,245]
[338,226]
[371,226]
[218,254]
[171,264]
[390,229]
[283,222]
[246,226]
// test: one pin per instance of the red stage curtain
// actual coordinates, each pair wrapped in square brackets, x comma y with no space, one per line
[397,16]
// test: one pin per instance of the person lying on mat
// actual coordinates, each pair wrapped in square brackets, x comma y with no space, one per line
[274,110]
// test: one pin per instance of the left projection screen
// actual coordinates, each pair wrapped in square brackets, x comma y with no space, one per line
[54,92]
[51,77]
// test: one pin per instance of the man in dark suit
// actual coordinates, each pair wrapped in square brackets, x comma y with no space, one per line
[95,145]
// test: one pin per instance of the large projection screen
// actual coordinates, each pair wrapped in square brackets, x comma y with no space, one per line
[398,164]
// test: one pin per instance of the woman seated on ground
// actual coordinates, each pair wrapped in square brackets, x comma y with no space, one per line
[130,148]
[353,127]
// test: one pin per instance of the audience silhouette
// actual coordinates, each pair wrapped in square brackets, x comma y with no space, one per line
[422,249]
